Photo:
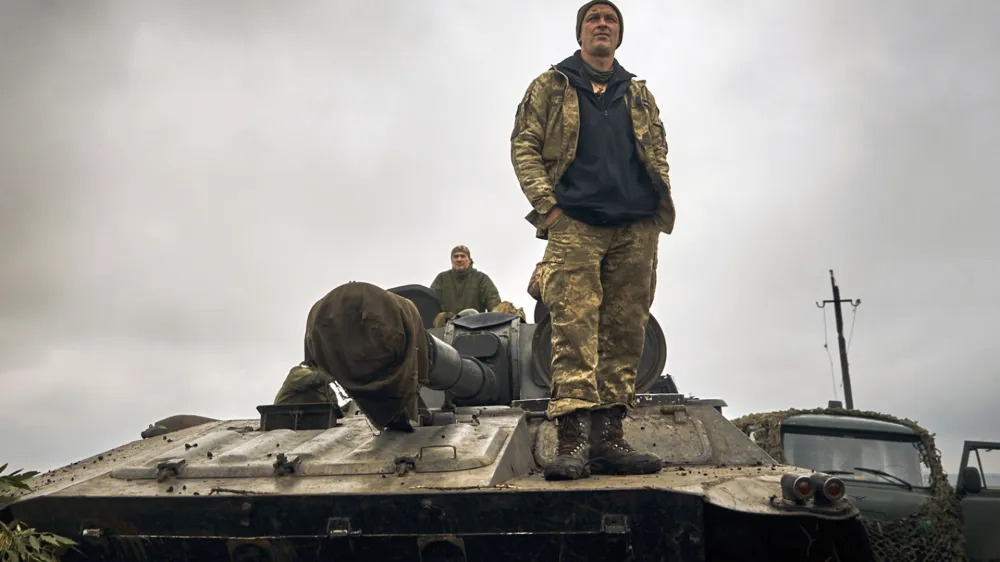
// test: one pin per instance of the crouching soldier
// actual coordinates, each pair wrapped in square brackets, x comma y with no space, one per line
[306,384]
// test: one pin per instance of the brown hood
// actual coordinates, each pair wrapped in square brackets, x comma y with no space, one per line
[372,342]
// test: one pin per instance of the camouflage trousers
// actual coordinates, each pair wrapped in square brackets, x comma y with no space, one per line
[597,283]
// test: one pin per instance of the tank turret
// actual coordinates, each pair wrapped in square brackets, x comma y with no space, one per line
[318,482]
[518,354]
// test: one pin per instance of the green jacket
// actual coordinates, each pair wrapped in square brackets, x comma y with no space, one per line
[546,129]
[470,289]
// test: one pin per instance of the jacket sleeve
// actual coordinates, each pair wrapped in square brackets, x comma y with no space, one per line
[301,381]
[526,141]
[308,380]
[659,135]
[488,292]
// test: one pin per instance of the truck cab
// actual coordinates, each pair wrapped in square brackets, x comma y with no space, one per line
[880,460]
[888,479]
[978,485]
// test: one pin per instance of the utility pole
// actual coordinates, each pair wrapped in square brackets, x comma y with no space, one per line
[844,369]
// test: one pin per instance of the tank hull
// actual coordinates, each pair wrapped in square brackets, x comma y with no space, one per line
[586,524]
[463,486]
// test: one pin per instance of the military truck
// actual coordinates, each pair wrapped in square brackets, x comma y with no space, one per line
[897,481]
[318,482]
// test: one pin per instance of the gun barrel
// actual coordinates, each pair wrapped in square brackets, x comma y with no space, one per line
[465,378]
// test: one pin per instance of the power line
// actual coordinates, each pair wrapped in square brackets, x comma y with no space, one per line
[854,317]
[826,346]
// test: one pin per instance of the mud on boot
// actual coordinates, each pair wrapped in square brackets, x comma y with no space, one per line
[610,453]
[570,462]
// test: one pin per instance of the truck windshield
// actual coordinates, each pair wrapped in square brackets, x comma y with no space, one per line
[844,453]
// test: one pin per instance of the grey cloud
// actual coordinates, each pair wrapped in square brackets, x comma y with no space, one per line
[180,184]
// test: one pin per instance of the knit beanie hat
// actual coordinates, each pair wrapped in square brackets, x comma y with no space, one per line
[583,10]
[463,249]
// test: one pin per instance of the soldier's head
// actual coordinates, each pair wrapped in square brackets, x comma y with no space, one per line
[599,28]
[461,258]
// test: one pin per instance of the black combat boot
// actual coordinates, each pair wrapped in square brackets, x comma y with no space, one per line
[610,453]
[570,462]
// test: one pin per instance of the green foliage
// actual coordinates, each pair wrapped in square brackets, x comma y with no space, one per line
[18,541]
[16,479]
[9,483]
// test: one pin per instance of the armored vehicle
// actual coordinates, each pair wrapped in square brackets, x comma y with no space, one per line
[318,482]
[896,478]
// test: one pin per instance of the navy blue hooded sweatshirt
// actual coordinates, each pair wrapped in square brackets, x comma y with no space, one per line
[606,184]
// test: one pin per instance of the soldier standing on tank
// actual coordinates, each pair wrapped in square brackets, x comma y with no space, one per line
[463,287]
[590,153]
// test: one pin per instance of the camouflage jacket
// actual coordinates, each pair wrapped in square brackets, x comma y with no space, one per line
[306,384]
[546,129]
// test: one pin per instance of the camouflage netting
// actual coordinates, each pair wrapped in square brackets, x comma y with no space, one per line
[509,308]
[934,532]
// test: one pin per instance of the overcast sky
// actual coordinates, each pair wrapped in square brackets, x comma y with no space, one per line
[179,182]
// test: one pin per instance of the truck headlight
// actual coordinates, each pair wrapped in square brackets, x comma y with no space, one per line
[796,488]
[828,488]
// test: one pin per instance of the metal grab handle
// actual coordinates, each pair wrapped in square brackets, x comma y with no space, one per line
[420,454]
